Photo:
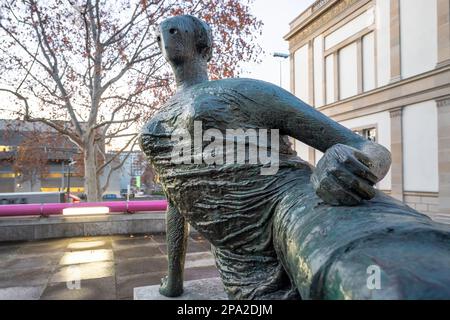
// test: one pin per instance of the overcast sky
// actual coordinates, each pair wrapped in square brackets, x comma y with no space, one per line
[276,16]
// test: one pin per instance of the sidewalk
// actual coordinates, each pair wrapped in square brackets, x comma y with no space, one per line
[108,267]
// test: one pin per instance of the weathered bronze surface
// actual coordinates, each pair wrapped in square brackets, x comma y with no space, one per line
[302,232]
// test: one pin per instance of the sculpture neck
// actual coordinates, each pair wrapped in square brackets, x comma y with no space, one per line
[190,73]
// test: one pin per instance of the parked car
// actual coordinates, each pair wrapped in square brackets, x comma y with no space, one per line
[110,196]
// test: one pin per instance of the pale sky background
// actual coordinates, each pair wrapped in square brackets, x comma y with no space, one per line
[276,16]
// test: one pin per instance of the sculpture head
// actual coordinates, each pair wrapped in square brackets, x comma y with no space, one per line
[184,39]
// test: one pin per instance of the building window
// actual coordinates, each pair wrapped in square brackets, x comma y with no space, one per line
[368,61]
[349,58]
[368,133]
[348,71]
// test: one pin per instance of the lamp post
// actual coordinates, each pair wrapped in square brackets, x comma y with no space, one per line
[70,164]
[283,56]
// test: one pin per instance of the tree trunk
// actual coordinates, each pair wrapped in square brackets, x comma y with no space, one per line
[91,183]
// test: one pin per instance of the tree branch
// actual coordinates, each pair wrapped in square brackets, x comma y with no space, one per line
[119,152]
[53,67]
[49,123]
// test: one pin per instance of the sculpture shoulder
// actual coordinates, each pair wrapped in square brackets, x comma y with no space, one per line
[250,93]
[246,86]
[240,91]
[165,115]
[255,100]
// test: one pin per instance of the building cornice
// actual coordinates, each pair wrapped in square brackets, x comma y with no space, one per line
[317,15]
[432,85]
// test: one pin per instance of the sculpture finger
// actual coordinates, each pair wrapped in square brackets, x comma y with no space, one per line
[363,158]
[360,169]
[332,192]
[355,184]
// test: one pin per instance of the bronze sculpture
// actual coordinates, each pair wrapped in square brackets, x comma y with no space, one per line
[300,232]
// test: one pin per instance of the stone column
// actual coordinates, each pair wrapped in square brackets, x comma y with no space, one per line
[312,155]
[292,71]
[443,106]
[443,8]
[359,66]
[397,154]
[312,100]
[337,95]
[396,73]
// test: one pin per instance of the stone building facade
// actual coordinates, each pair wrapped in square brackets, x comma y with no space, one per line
[382,69]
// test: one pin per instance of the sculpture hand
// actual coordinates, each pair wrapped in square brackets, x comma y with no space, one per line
[171,288]
[344,176]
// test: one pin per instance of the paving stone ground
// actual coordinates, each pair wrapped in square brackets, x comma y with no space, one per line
[108,267]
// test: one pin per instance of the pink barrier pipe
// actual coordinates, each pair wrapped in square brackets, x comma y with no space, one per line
[37,209]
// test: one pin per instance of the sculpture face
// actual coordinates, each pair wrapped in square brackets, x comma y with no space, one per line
[176,40]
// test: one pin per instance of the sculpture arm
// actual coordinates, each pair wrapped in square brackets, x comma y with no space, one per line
[176,235]
[351,164]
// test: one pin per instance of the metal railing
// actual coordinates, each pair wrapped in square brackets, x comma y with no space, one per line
[82,208]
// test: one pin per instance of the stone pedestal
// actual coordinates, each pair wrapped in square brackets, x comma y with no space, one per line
[203,289]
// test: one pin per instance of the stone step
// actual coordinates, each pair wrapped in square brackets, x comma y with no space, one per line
[203,289]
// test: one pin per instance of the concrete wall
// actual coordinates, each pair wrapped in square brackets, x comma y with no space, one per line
[420,147]
[37,228]
[418,25]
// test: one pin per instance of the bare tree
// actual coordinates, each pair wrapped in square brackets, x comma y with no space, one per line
[31,160]
[91,69]
[36,146]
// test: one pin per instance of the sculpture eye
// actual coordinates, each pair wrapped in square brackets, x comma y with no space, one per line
[158,38]
[173,31]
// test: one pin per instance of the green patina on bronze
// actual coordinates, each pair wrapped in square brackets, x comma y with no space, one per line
[302,232]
